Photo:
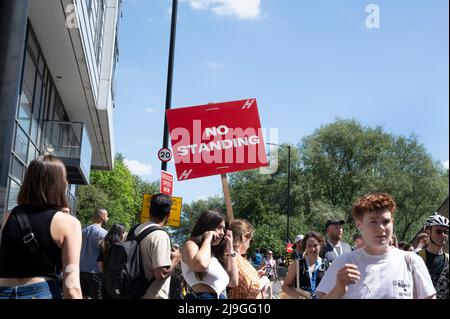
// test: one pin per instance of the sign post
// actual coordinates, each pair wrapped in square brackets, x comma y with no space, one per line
[226,194]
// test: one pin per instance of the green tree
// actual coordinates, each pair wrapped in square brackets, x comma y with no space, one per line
[344,160]
[90,197]
[330,169]
[119,191]
[263,201]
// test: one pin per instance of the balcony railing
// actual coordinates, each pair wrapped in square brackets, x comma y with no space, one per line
[69,141]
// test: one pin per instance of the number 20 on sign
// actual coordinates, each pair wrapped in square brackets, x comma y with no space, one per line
[164,155]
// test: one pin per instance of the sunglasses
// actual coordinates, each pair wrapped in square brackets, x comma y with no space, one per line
[441,231]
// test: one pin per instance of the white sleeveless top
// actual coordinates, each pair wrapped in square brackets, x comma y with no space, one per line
[216,277]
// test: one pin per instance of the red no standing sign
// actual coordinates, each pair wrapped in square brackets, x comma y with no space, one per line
[216,138]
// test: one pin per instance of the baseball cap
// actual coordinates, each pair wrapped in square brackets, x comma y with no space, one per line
[298,238]
[334,222]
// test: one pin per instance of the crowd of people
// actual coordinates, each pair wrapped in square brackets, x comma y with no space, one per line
[45,253]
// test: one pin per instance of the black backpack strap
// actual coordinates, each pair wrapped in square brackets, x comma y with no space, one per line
[146,232]
[31,242]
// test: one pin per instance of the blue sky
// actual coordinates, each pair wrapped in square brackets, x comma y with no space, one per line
[307,62]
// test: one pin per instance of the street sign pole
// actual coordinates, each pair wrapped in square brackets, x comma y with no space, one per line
[289,194]
[226,194]
[173,30]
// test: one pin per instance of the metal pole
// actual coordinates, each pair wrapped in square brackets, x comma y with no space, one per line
[289,193]
[173,31]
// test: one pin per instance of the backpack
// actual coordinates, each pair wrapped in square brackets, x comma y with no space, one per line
[423,254]
[124,276]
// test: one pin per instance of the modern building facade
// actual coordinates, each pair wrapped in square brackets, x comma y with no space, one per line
[57,65]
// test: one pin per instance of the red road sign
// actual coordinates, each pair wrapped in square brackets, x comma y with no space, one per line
[216,138]
[164,154]
[166,183]
[289,248]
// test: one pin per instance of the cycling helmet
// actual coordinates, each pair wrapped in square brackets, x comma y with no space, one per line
[436,220]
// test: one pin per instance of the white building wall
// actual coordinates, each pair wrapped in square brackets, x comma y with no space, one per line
[101,18]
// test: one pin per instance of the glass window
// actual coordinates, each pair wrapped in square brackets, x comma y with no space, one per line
[36,109]
[32,153]
[51,106]
[17,169]
[29,75]
[21,147]
[73,189]
[13,192]
[99,30]
[89,6]
[41,66]
[32,46]
[24,116]
[72,204]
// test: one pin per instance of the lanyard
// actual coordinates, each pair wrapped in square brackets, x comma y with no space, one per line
[313,277]
[335,250]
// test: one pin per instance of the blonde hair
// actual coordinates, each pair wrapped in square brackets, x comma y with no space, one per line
[241,229]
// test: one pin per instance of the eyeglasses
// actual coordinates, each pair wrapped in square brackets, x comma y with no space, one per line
[442,231]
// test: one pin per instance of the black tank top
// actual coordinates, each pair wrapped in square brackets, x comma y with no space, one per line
[15,259]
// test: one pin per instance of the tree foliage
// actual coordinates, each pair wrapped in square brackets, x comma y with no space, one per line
[118,191]
[330,169]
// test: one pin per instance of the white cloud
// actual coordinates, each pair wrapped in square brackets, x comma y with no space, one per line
[150,110]
[242,9]
[445,164]
[138,168]
[214,65]
[201,197]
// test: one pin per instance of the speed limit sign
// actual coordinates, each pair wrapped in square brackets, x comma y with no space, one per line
[165,155]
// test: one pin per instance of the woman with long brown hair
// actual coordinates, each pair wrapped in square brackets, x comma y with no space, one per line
[208,259]
[38,241]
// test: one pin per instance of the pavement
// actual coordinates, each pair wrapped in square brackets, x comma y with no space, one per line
[276,287]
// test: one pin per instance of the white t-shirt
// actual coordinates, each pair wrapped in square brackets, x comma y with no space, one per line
[155,252]
[382,277]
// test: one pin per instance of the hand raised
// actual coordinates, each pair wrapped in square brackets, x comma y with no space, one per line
[347,275]
[209,235]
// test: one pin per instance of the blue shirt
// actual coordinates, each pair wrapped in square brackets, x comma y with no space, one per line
[92,235]
[258,259]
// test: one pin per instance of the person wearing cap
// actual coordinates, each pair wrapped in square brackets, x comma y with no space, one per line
[334,246]
[298,247]
[436,226]
[378,270]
